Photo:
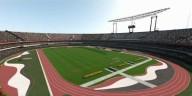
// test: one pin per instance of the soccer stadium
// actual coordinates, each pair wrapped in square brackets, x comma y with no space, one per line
[148,63]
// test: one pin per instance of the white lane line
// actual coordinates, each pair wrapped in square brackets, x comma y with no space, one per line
[44,74]
[114,73]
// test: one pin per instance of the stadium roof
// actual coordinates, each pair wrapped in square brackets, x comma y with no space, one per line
[139,16]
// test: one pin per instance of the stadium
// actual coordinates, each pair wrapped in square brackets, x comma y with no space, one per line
[151,63]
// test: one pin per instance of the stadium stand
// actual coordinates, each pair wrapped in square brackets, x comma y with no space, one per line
[63,37]
[32,36]
[175,44]
[182,36]
[7,37]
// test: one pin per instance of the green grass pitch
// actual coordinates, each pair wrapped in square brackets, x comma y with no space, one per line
[75,62]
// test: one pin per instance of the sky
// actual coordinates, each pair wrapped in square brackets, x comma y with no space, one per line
[90,16]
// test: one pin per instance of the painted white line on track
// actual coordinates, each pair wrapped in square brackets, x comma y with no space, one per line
[49,88]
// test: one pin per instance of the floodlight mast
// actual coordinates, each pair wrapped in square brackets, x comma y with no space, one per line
[153,14]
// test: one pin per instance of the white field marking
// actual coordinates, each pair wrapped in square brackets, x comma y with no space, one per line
[114,73]
[139,80]
[129,63]
[126,82]
[136,79]
[151,71]
[108,70]
[26,58]
[44,74]
[18,81]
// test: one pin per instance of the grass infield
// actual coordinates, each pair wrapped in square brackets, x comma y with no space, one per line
[75,62]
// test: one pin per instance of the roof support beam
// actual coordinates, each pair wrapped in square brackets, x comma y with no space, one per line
[136,17]
[140,16]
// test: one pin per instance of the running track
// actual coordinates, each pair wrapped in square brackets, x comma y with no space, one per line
[59,86]
[6,73]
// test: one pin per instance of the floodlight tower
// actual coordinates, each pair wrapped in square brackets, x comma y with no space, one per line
[131,27]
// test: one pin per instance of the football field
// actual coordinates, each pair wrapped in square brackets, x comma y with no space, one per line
[79,65]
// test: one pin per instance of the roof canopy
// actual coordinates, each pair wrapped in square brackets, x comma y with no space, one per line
[140,16]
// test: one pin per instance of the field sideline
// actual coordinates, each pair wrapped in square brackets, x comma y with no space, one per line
[73,63]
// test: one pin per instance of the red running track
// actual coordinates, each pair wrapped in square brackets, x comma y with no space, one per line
[59,86]
[107,82]
[5,74]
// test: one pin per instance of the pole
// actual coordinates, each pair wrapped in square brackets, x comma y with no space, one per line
[116,28]
[113,28]
[155,23]
[151,23]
